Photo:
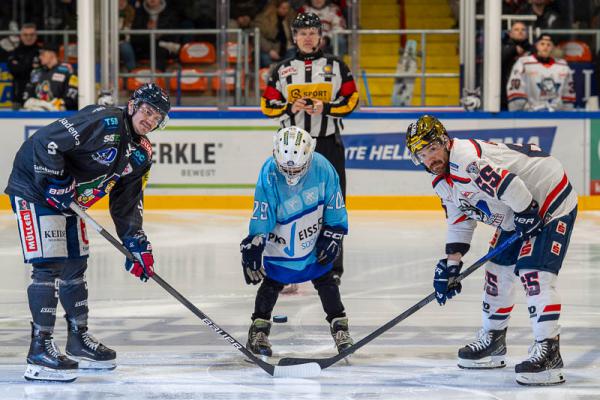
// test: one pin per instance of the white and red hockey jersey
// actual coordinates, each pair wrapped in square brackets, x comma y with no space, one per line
[488,181]
[534,85]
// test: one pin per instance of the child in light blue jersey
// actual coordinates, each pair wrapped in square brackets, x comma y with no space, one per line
[296,230]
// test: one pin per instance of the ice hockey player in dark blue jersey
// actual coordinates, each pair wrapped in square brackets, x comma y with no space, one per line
[81,158]
[296,230]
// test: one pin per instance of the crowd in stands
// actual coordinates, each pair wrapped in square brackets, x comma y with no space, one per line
[21,50]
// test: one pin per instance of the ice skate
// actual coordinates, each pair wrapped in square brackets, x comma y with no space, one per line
[488,351]
[45,361]
[544,365]
[258,338]
[88,351]
[341,335]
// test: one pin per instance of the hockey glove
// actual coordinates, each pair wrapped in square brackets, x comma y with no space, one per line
[444,281]
[60,193]
[141,249]
[329,245]
[252,248]
[528,222]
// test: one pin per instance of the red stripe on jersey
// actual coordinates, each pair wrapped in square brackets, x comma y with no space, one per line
[552,307]
[502,176]
[553,194]
[459,179]
[437,180]
[272,94]
[516,95]
[505,310]
[451,144]
[460,219]
[477,147]
[347,88]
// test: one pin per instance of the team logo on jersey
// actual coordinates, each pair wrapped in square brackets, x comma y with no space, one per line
[548,87]
[473,168]
[58,77]
[310,196]
[106,156]
[561,228]
[526,249]
[287,71]
[556,247]
[289,250]
[480,212]
[327,72]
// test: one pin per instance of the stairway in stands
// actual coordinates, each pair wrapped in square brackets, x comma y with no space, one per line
[379,53]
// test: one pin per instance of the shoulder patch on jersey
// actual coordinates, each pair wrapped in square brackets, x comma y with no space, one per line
[73,80]
[147,146]
[473,168]
[287,71]
[453,166]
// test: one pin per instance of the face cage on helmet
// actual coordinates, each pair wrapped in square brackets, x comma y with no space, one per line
[415,157]
[293,174]
[165,118]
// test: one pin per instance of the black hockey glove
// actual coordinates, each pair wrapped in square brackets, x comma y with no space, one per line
[252,248]
[329,245]
[444,281]
[528,222]
[61,193]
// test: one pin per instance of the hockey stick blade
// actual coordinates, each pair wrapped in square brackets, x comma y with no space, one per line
[327,362]
[297,370]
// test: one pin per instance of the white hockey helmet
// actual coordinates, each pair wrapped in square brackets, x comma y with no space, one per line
[293,149]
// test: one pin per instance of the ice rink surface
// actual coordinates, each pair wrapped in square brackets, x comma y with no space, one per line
[165,352]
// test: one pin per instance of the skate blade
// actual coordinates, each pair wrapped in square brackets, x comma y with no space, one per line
[544,378]
[45,374]
[94,365]
[483,363]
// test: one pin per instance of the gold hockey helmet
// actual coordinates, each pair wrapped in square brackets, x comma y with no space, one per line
[420,134]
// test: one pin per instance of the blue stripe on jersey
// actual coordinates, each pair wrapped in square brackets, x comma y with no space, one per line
[504,185]
[550,317]
[559,199]
[303,213]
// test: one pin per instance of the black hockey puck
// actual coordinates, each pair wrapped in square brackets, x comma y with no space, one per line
[280,318]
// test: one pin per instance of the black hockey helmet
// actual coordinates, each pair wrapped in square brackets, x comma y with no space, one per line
[154,96]
[307,20]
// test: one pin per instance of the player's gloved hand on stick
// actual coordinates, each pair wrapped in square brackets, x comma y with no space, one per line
[528,222]
[60,193]
[329,245]
[444,280]
[252,248]
[141,249]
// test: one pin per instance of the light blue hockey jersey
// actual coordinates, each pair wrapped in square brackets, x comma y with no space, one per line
[291,217]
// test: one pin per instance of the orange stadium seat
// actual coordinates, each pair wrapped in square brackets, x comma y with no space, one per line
[263,76]
[71,53]
[232,49]
[576,51]
[229,81]
[198,53]
[191,83]
[135,82]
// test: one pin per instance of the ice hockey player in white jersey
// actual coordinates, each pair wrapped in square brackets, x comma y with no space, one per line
[513,188]
[297,226]
[539,82]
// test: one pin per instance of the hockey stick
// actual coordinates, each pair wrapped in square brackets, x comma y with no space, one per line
[327,362]
[295,370]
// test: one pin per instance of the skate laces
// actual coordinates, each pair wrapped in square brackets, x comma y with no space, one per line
[484,339]
[51,348]
[342,337]
[90,341]
[537,351]
[261,339]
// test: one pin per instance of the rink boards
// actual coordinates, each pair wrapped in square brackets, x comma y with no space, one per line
[211,159]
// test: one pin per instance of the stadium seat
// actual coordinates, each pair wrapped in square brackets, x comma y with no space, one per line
[71,53]
[229,81]
[232,49]
[135,82]
[576,51]
[190,83]
[198,53]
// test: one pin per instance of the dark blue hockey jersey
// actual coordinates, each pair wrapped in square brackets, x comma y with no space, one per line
[99,149]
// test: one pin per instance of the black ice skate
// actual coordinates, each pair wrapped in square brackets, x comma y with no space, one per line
[89,352]
[340,334]
[488,351]
[45,361]
[258,338]
[543,367]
